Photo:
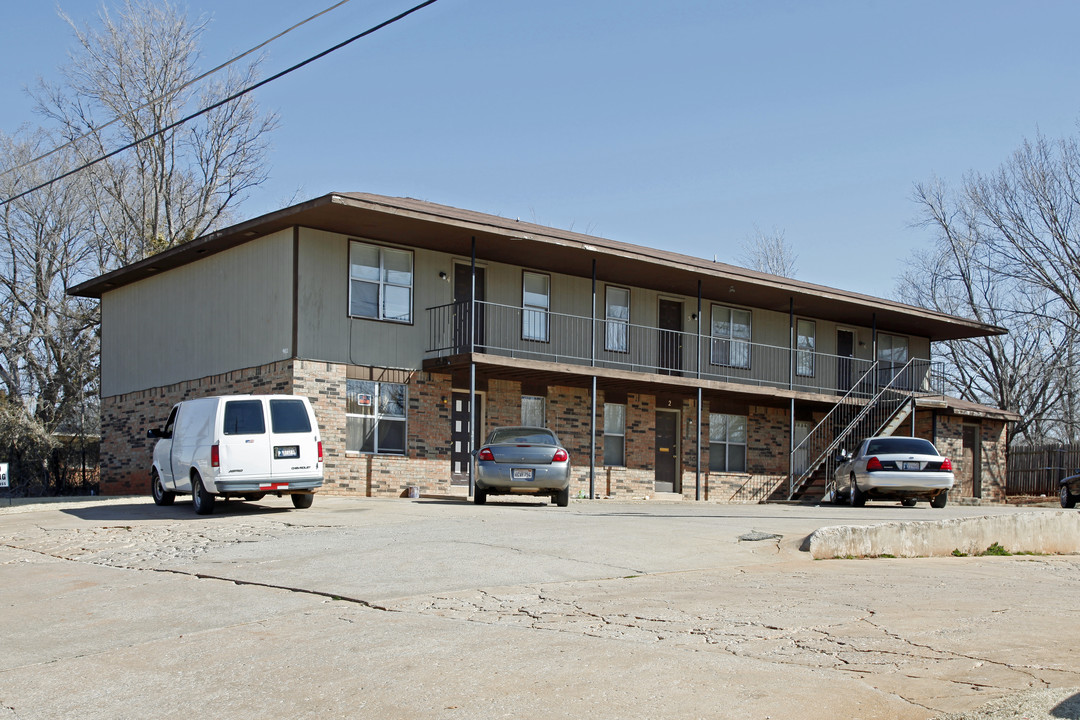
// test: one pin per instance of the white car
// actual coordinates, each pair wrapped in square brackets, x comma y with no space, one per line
[241,446]
[907,468]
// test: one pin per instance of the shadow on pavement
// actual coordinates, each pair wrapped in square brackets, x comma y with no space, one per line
[181,511]
[1069,708]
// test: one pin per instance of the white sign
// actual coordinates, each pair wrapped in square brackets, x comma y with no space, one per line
[3,475]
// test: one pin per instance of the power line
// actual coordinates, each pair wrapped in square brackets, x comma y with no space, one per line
[218,104]
[159,98]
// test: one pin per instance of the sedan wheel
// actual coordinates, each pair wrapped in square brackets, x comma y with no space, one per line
[858,497]
[479,496]
[940,499]
[562,498]
[1068,500]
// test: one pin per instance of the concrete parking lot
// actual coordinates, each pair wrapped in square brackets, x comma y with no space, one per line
[438,608]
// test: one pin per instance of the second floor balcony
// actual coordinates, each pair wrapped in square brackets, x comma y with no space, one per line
[546,336]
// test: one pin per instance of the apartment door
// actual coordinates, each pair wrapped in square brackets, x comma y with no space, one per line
[460,422]
[845,352]
[971,465]
[667,451]
[462,295]
[669,320]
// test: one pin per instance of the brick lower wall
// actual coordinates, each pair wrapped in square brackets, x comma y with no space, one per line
[126,453]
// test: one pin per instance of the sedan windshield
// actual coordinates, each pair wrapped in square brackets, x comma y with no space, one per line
[532,436]
[900,446]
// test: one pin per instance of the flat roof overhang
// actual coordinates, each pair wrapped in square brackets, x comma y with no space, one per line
[451,230]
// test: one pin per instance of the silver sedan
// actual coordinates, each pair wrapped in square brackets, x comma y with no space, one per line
[907,468]
[523,460]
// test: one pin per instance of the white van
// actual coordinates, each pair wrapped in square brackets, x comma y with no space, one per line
[238,446]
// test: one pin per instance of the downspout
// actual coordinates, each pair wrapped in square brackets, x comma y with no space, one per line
[472,366]
[592,391]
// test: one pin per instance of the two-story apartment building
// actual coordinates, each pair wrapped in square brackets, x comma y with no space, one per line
[415,328]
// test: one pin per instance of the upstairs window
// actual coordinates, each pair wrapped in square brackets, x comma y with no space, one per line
[805,344]
[617,319]
[380,282]
[535,303]
[730,337]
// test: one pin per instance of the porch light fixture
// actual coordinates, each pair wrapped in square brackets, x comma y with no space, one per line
[731,289]
[444,276]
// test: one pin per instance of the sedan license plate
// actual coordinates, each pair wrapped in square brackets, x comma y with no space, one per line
[912,465]
[522,473]
[282,452]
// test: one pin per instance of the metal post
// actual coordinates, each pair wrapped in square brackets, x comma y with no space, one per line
[592,392]
[791,386]
[700,362]
[472,367]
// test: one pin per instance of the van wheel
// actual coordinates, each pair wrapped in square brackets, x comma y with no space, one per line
[908,502]
[202,500]
[157,489]
[302,500]
[254,497]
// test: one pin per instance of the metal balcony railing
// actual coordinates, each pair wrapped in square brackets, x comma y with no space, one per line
[555,337]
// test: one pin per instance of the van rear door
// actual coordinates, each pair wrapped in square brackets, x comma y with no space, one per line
[244,447]
[294,440]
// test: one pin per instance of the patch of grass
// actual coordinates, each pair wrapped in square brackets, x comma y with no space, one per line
[957,553]
[995,549]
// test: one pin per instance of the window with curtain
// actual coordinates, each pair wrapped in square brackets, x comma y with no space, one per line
[730,330]
[535,303]
[727,443]
[617,319]
[805,345]
[380,282]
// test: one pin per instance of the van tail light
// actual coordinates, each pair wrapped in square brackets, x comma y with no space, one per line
[320,451]
[215,456]
[946,464]
[485,454]
[873,464]
[560,456]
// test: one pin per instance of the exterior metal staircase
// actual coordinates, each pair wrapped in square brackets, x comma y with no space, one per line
[877,404]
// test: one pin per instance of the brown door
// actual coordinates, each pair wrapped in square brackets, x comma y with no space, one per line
[462,295]
[460,420]
[670,323]
[970,479]
[845,351]
[667,451]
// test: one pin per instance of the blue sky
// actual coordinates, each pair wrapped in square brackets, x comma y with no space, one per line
[679,124]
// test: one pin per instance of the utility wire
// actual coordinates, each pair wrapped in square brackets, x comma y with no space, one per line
[159,98]
[218,104]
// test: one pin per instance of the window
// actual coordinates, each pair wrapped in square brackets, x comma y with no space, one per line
[614,434]
[532,411]
[380,282]
[289,416]
[244,417]
[727,443]
[535,303]
[731,337]
[805,343]
[375,417]
[617,315]
[892,353]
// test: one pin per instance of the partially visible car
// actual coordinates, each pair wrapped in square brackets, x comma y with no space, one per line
[904,468]
[1070,491]
[522,460]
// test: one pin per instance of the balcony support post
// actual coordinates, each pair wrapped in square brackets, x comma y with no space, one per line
[700,362]
[592,392]
[791,386]
[472,366]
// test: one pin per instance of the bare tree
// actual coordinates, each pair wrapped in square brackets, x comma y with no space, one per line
[770,253]
[180,183]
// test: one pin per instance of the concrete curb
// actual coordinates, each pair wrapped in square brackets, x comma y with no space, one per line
[1047,532]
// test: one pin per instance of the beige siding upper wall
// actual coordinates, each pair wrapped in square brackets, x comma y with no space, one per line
[228,311]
